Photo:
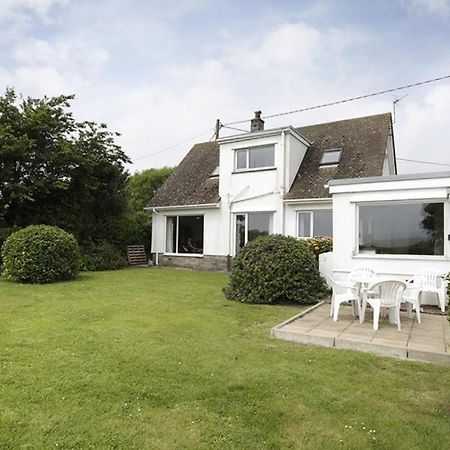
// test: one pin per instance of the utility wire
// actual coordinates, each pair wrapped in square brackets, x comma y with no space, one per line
[309,108]
[173,146]
[423,162]
[233,128]
[338,102]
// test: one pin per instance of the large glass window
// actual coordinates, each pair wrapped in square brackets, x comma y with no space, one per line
[402,228]
[184,234]
[255,157]
[251,225]
[317,223]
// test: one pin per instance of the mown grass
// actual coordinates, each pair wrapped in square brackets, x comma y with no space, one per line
[158,359]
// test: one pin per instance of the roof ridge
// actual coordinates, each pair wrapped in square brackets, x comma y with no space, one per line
[345,120]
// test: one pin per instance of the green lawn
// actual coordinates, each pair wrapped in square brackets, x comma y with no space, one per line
[157,358]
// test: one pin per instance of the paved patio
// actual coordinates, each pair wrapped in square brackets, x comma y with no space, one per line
[429,341]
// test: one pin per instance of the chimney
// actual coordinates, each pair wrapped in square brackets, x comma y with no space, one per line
[257,124]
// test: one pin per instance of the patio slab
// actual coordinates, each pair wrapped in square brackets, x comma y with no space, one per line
[429,341]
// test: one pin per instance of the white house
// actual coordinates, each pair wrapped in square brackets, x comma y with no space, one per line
[227,192]
[393,224]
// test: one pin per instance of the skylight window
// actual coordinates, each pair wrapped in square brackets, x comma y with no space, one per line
[331,157]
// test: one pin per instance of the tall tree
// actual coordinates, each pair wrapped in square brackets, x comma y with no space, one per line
[55,170]
[142,186]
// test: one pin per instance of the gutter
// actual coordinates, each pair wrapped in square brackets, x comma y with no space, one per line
[307,200]
[203,206]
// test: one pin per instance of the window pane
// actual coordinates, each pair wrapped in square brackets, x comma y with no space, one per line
[323,223]
[190,235]
[261,157]
[171,235]
[304,224]
[406,229]
[240,232]
[259,224]
[241,159]
[331,156]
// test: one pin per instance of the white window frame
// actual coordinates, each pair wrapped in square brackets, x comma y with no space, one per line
[247,167]
[311,220]
[246,225]
[195,255]
[356,252]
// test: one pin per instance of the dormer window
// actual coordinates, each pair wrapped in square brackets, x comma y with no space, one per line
[215,172]
[251,158]
[331,157]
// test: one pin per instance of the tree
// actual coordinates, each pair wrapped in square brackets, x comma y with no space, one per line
[141,188]
[57,171]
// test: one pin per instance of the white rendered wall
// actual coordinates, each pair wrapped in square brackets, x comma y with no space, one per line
[213,238]
[345,229]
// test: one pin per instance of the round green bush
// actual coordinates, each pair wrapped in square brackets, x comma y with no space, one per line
[41,254]
[103,256]
[275,269]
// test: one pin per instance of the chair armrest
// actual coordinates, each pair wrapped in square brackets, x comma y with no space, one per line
[344,284]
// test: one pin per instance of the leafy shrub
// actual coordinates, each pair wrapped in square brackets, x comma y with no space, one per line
[4,234]
[320,245]
[275,269]
[103,256]
[41,254]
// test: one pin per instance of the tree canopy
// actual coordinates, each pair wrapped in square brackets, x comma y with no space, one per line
[55,170]
[143,185]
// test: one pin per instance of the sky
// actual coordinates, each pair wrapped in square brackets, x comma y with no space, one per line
[161,72]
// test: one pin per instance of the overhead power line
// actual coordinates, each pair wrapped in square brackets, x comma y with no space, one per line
[346,100]
[165,149]
[309,108]
[424,162]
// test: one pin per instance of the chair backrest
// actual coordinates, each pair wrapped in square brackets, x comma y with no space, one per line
[426,278]
[362,275]
[390,292]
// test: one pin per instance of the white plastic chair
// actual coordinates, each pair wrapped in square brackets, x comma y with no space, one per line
[384,294]
[361,277]
[412,300]
[348,294]
[428,280]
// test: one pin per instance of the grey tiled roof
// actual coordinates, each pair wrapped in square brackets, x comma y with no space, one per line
[363,141]
[190,183]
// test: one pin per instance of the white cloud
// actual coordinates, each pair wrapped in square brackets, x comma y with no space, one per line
[291,65]
[422,130]
[436,7]
[13,8]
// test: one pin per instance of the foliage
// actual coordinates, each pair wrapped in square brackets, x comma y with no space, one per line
[320,245]
[157,359]
[57,171]
[275,269]
[103,256]
[4,234]
[142,186]
[41,254]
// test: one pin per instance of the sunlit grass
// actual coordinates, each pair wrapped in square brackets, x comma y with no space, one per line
[157,358]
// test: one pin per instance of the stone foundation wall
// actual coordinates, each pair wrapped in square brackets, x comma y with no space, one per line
[205,262]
